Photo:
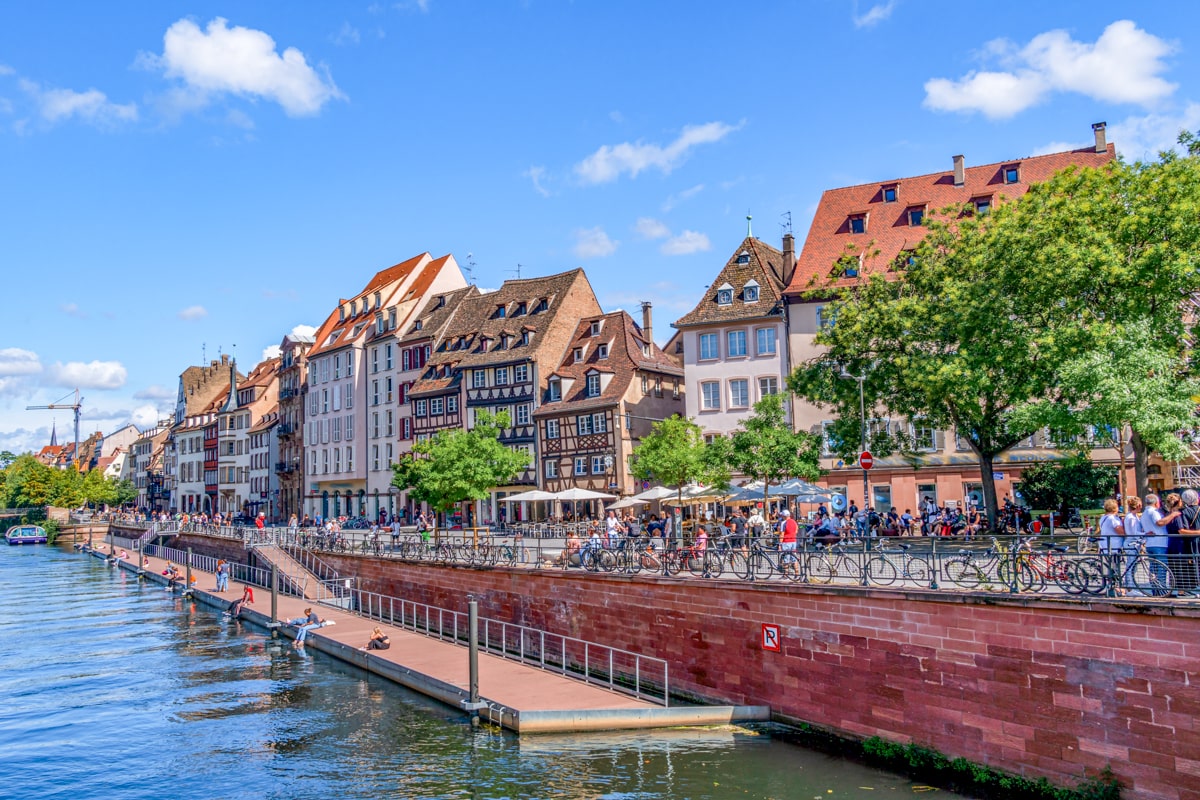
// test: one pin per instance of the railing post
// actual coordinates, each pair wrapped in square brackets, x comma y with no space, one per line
[188,568]
[865,580]
[473,705]
[1012,560]
[274,599]
[934,565]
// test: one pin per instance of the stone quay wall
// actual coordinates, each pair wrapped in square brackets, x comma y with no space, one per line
[1036,686]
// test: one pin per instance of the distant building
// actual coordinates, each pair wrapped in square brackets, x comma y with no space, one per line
[293,390]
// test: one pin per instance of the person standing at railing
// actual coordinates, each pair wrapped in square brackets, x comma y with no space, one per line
[222,575]
[1156,537]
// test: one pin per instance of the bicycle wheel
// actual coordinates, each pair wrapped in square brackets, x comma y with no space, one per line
[916,570]
[1026,578]
[1085,544]
[695,563]
[962,572]
[790,567]
[881,571]
[761,566]
[649,561]
[630,562]
[1090,576]
[820,569]
[607,560]
[672,562]
[714,565]
[739,565]
[1151,576]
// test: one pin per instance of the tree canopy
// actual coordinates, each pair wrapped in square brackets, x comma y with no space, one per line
[25,482]
[766,448]
[457,465]
[675,453]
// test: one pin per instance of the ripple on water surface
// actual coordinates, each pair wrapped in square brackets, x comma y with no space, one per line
[112,689]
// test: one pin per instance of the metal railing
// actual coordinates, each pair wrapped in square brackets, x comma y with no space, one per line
[242,573]
[644,677]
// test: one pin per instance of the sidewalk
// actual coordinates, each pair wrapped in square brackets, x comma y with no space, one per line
[520,697]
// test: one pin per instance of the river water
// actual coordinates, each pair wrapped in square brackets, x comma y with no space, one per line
[114,689]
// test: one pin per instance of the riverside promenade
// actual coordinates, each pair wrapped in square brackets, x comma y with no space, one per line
[518,696]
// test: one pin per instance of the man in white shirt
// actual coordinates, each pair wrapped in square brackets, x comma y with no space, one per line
[1156,539]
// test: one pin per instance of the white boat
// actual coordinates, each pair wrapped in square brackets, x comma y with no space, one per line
[26,534]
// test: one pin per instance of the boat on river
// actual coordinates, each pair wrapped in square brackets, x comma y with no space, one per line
[26,534]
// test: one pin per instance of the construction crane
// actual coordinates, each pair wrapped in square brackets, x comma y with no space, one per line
[60,405]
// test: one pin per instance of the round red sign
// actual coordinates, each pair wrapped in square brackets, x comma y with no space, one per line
[866,460]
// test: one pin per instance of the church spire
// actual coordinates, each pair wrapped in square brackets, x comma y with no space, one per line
[53,435]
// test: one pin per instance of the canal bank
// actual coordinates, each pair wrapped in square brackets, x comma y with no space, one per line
[1038,687]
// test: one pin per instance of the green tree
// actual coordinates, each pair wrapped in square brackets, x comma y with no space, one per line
[1074,483]
[675,454]
[766,448]
[28,482]
[6,458]
[457,465]
[125,492]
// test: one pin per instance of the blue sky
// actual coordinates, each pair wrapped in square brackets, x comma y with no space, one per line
[187,178]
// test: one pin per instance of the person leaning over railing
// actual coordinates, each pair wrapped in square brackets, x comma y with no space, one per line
[1181,549]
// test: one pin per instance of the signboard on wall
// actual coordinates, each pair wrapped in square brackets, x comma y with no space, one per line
[772,638]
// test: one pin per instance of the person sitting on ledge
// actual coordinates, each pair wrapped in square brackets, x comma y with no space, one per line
[378,641]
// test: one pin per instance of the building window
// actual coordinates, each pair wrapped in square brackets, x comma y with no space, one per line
[736,344]
[890,193]
[709,349]
[406,360]
[595,331]
[675,389]
[916,216]
[825,319]
[983,205]
[724,297]
[452,404]
[710,394]
[750,293]
[521,373]
[583,424]
[551,429]
[375,359]
[602,351]
[765,341]
[1012,173]
[501,376]
[645,384]
[743,257]
[406,427]
[581,465]
[523,414]
[739,393]
[829,442]
[499,313]
[555,390]
[924,437]
[858,224]
[551,469]
[387,359]
[478,378]
[600,423]
[598,465]
[578,354]
[768,386]
[593,385]
[435,406]
[420,409]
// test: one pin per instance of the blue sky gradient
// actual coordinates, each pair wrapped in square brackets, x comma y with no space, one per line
[183,179]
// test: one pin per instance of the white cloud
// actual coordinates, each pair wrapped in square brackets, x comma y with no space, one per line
[7,70]
[240,61]
[606,164]
[273,351]
[72,310]
[15,362]
[24,440]
[876,14]
[676,199]
[1145,137]
[304,330]
[92,106]
[155,392]
[649,228]
[1122,66]
[685,243]
[593,243]
[535,174]
[348,34]
[616,116]
[1056,147]
[92,375]
[145,416]
[193,312]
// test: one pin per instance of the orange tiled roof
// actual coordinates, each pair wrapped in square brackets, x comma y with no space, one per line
[887,225]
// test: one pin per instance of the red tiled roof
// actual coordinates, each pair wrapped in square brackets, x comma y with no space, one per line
[887,225]
[349,328]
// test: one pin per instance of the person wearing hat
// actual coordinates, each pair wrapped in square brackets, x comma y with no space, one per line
[788,530]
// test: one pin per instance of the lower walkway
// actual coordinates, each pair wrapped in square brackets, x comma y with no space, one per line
[519,697]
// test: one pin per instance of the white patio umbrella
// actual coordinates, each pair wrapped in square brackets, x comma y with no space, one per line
[628,502]
[532,495]
[656,493]
[575,493]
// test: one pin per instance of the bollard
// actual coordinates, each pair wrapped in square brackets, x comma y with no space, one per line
[188,565]
[274,601]
[472,704]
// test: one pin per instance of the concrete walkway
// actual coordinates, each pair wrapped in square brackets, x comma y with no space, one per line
[520,697]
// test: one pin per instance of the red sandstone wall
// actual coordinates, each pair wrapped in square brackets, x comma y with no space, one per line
[1030,685]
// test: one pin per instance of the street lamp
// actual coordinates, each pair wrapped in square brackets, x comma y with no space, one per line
[862,407]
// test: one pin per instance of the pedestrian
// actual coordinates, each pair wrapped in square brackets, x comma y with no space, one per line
[222,576]
[737,529]
[756,523]
[378,641]
[395,533]
[1156,540]
[308,622]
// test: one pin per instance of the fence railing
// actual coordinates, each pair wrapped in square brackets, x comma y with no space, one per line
[644,677]
[242,573]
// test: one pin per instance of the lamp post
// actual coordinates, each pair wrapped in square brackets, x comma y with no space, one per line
[862,407]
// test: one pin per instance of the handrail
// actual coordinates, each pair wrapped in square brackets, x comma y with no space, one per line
[644,677]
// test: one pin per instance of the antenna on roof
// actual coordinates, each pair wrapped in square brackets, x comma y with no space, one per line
[749,233]
[470,268]
[203,352]
[518,271]
[787,221]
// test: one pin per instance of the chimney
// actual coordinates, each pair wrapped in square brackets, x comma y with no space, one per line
[1101,137]
[647,318]
[789,257]
[959,171]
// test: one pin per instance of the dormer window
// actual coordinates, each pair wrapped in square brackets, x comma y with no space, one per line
[858,223]
[983,204]
[602,351]
[542,305]
[341,313]
[500,310]
[743,257]
[441,301]
[916,216]
[890,193]
[555,389]
[596,325]
[519,310]
[724,295]
[417,325]
[593,384]
[484,344]
[392,319]
[1012,173]
[750,292]
[378,300]
[578,354]
[525,337]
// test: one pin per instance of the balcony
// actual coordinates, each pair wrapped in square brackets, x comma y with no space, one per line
[283,468]
[284,429]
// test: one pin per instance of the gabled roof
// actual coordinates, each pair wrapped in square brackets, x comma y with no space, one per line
[478,322]
[340,330]
[887,231]
[625,357]
[762,264]
[436,315]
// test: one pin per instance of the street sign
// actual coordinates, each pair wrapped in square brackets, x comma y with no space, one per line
[645,485]
[771,639]
[866,460]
